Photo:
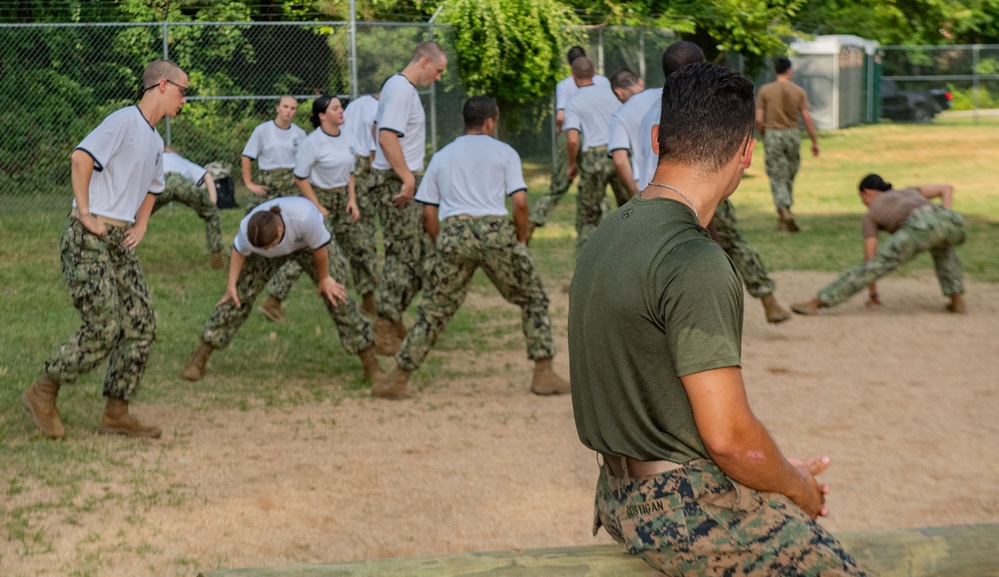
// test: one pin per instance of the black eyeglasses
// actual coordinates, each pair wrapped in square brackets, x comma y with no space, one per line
[183,89]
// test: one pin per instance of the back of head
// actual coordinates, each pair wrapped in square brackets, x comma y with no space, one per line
[782,64]
[430,50]
[319,105]
[574,53]
[680,54]
[477,110]
[707,115]
[158,70]
[262,229]
[874,182]
[582,68]
[624,80]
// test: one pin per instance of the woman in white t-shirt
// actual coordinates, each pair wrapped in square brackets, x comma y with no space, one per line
[273,145]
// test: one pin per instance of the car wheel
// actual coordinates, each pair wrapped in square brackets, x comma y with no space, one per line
[922,114]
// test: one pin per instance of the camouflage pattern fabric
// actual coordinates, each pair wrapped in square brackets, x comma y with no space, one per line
[934,229]
[464,245]
[221,326]
[279,182]
[541,211]
[354,240]
[747,261]
[783,158]
[406,245]
[596,171]
[695,521]
[109,290]
[365,201]
[182,190]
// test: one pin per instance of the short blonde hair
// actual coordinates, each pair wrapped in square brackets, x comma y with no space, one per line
[159,70]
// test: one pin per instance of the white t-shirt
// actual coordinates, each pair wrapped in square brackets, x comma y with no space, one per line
[303,228]
[626,122]
[589,111]
[400,110]
[173,162]
[567,87]
[473,176]
[128,163]
[324,160]
[272,146]
[645,160]
[358,118]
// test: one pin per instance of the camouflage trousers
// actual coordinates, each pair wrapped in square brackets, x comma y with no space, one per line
[596,171]
[541,211]
[747,261]
[934,229]
[182,190]
[279,182]
[109,290]
[407,245]
[356,242]
[695,521]
[783,158]
[221,326]
[366,203]
[464,245]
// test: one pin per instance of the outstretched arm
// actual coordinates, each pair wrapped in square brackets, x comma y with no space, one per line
[945,192]
[870,249]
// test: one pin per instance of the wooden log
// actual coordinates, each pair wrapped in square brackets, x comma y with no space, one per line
[957,551]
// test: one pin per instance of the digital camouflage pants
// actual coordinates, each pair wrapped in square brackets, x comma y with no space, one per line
[464,245]
[357,242]
[783,158]
[407,245]
[221,326]
[747,261]
[541,211]
[934,229]
[182,190]
[596,171]
[279,182]
[695,521]
[109,290]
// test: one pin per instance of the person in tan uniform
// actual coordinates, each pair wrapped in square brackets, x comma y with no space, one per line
[778,105]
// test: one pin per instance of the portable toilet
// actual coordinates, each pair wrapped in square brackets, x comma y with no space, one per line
[839,73]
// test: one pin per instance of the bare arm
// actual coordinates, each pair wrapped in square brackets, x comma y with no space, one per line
[870,248]
[213,194]
[305,187]
[326,286]
[572,144]
[559,120]
[236,261]
[134,234]
[389,141]
[945,192]
[623,165]
[810,127]
[355,213]
[520,215]
[247,167]
[82,171]
[431,222]
[759,122]
[739,444]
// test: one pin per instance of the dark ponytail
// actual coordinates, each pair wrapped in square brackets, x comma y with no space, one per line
[874,182]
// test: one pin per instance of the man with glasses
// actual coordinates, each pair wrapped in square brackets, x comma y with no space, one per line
[117,171]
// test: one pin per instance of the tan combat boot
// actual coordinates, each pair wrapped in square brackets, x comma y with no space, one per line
[788,219]
[194,370]
[957,304]
[369,363]
[368,306]
[217,260]
[387,339]
[775,313]
[809,307]
[272,310]
[545,381]
[40,400]
[391,386]
[117,421]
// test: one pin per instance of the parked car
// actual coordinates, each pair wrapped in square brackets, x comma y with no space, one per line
[914,105]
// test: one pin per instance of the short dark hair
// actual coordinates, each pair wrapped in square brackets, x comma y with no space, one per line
[875,182]
[582,68]
[574,53]
[477,110]
[624,79]
[707,114]
[680,54]
[782,64]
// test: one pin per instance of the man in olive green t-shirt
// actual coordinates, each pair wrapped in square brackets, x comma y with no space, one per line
[690,481]
[778,105]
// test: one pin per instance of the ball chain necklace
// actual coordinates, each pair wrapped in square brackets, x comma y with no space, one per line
[685,197]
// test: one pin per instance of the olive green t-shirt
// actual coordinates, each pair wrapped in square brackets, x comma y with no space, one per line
[653,298]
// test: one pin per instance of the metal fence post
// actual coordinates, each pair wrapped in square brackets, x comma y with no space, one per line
[352,58]
[974,79]
[433,91]
[166,56]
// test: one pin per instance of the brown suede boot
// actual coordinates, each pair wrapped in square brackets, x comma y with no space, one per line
[788,219]
[545,381]
[957,304]
[40,400]
[217,260]
[391,386]
[272,310]
[368,306]
[809,307]
[775,313]
[194,370]
[117,421]
[387,339]
[370,364]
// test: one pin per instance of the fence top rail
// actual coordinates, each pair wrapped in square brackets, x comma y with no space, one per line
[944,77]
[940,46]
[193,23]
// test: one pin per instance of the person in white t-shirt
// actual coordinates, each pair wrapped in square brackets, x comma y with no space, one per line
[560,181]
[464,194]
[401,145]
[273,145]
[284,229]
[117,171]
[324,173]
[625,134]
[193,186]
[587,127]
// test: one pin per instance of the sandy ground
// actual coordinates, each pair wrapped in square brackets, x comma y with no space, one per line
[904,399]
